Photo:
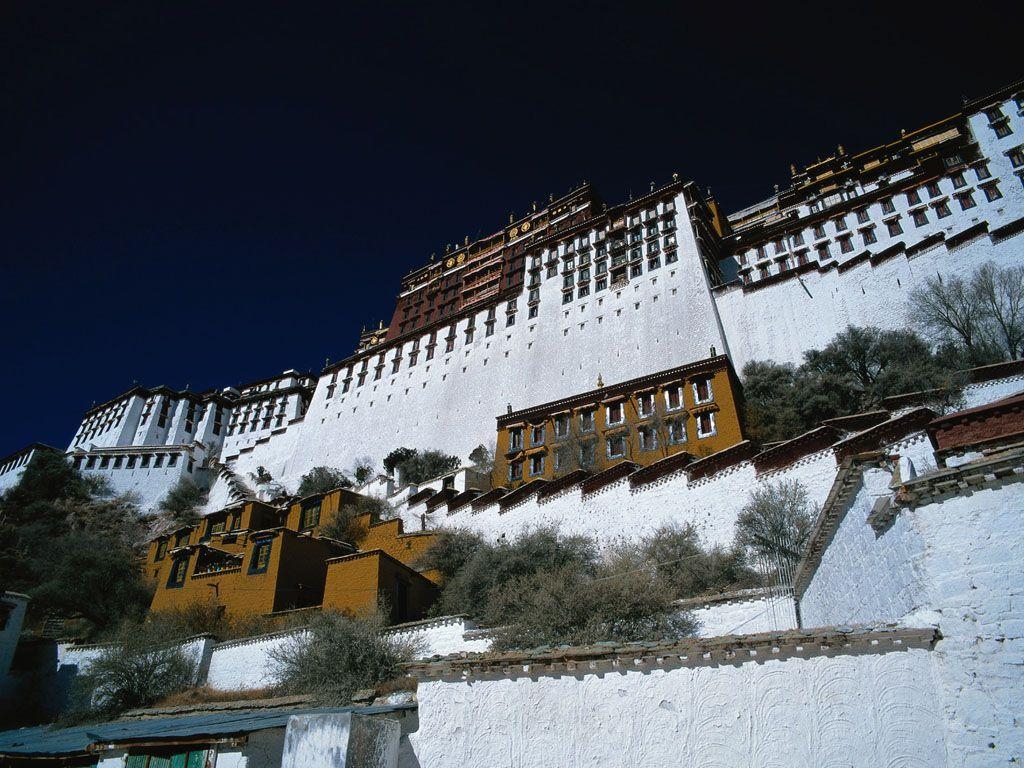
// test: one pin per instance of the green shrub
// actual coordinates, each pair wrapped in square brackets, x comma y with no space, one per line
[347,525]
[337,655]
[182,502]
[322,480]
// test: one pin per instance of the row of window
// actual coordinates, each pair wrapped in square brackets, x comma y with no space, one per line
[840,225]
[272,414]
[616,447]
[615,413]
[131,461]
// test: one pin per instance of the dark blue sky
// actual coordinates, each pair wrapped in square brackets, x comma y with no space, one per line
[209,193]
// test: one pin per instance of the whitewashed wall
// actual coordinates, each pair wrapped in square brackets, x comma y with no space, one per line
[958,563]
[662,319]
[247,664]
[746,615]
[782,321]
[844,710]
[618,512]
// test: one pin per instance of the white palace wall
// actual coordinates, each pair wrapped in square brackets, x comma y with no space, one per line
[781,321]
[664,318]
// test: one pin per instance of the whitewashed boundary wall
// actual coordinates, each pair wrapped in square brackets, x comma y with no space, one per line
[956,561]
[866,707]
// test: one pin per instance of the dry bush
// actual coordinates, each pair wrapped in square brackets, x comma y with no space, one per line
[338,655]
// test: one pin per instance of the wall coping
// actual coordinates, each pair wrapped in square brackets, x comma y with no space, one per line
[690,652]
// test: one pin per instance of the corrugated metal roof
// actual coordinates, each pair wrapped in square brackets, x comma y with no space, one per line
[46,740]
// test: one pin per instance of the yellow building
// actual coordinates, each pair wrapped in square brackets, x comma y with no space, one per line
[694,408]
[253,558]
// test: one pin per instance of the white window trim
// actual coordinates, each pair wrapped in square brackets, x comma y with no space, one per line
[714,427]
[608,446]
[668,404]
[711,393]
[608,413]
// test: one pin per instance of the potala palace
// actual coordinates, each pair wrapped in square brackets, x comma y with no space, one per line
[622,326]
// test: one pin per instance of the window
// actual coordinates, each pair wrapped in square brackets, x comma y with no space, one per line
[966,200]
[260,557]
[893,225]
[583,292]
[862,215]
[920,217]
[531,313]
[676,432]
[819,230]
[567,297]
[674,398]
[913,198]
[537,435]
[616,446]
[887,206]
[161,550]
[537,464]
[568,280]
[179,568]
[510,320]
[515,439]
[942,209]
[798,238]
[702,391]
[648,438]
[1016,157]
[562,425]
[845,244]
[515,471]
[983,172]
[158,460]
[1003,129]
[636,270]
[587,420]
[310,514]
[958,181]
[868,236]
[992,192]
[841,224]
[705,425]
[823,251]
[614,413]
[645,403]
[933,189]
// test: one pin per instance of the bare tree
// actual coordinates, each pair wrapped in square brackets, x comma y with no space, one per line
[1000,296]
[984,314]
[948,310]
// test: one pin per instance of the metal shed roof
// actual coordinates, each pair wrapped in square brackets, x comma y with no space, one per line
[47,740]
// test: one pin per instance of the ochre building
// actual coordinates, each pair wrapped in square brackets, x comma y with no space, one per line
[256,559]
[694,408]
